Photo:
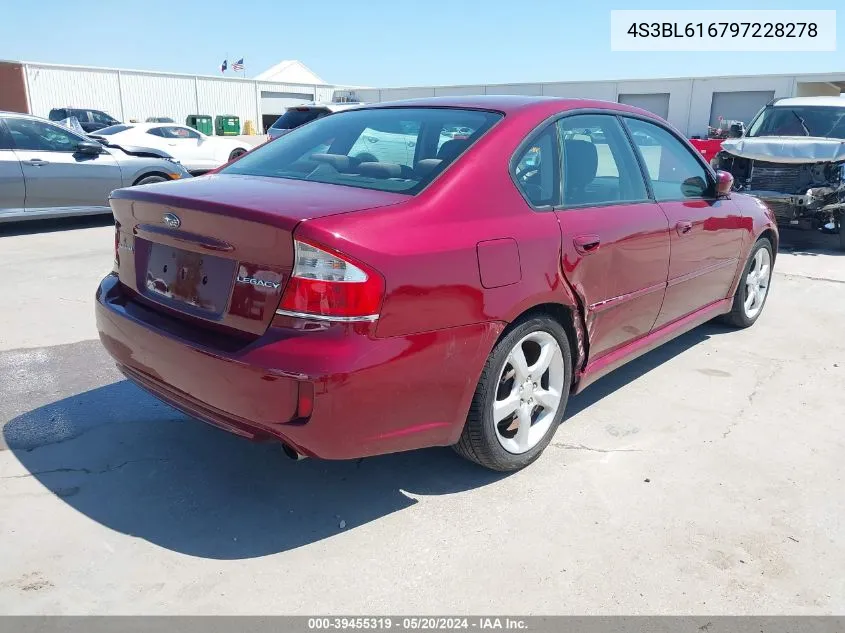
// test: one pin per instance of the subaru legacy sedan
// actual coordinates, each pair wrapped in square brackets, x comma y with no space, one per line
[351,298]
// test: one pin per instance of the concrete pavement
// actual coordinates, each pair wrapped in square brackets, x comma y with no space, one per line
[704,477]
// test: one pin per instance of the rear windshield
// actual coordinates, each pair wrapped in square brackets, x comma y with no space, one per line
[389,149]
[113,129]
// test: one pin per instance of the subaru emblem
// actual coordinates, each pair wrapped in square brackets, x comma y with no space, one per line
[172,220]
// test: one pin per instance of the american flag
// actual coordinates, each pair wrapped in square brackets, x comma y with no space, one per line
[238,66]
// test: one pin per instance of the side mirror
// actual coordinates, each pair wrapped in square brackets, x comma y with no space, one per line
[89,147]
[724,183]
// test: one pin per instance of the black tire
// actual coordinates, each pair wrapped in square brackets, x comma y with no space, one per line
[237,152]
[150,179]
[738,317]
[479,442]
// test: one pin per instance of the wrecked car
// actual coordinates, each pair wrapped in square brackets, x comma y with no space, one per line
[793,158]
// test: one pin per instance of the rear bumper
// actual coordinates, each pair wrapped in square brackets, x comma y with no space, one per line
[336,392]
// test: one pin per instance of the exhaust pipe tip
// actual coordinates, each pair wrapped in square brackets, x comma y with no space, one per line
[292,453]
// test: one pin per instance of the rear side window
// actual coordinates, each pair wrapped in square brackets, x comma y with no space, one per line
[599,166]
[388,149]
[101,117]
[295,117]
[537,169]
[674,172]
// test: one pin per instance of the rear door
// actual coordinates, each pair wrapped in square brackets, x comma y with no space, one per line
[56,175]
[12,189]
[615,246]
[706,231]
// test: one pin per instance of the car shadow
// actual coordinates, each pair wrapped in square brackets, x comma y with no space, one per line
[32,227]
[134,465]
[809,243]
[633,370]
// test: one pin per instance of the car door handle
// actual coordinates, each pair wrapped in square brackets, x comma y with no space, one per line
[683,227]
[35,162]
[586,244]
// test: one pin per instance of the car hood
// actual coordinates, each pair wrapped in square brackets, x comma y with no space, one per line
[787,149]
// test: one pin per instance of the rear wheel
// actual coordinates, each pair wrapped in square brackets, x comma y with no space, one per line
[521,396]
[753,289]
[151,179]
[236,152]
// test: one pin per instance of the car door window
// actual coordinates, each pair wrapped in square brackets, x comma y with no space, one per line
[537,170]
[101,117]
[599,166]
[673,170]
[178,132]
[30,134]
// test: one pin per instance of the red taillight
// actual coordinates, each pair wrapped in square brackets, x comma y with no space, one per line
[326,284]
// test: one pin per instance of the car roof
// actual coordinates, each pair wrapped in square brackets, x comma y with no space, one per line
[511,104]
[838,102]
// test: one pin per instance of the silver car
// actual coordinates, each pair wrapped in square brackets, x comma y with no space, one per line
[48,171]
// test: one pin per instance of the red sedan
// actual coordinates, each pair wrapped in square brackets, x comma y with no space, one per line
[369,284]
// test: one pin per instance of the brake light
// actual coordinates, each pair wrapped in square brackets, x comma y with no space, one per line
[328,285]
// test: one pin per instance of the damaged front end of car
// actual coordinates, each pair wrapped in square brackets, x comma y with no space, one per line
[801,179]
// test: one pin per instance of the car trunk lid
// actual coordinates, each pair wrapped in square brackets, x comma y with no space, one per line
[218,250]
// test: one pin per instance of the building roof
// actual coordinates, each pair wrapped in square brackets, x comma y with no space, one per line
[838,102]
[291,71]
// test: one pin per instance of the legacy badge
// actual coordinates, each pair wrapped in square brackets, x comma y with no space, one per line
[258,282]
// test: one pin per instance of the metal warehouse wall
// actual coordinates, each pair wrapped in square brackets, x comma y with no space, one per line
[128,94]
[689,99]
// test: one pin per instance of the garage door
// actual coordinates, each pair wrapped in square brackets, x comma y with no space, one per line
[657,102]
[738,106]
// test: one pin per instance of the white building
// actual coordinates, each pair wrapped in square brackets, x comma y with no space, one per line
[135,95]
[689,103]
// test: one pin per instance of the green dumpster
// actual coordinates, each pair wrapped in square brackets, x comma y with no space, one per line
[201,123]
[227,125]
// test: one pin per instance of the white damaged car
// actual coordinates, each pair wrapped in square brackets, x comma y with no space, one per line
[793,158]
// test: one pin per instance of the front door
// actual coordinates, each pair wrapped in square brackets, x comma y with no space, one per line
[57,176]
[705,231]
[615,248]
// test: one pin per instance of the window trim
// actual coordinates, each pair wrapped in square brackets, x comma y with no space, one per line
[709,172]
[70,133]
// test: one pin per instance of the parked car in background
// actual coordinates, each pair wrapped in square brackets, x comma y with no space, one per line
[793,158]
[300,115]
[196,151]
[444,292]
[159,119]
[48,171]
[90,120]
